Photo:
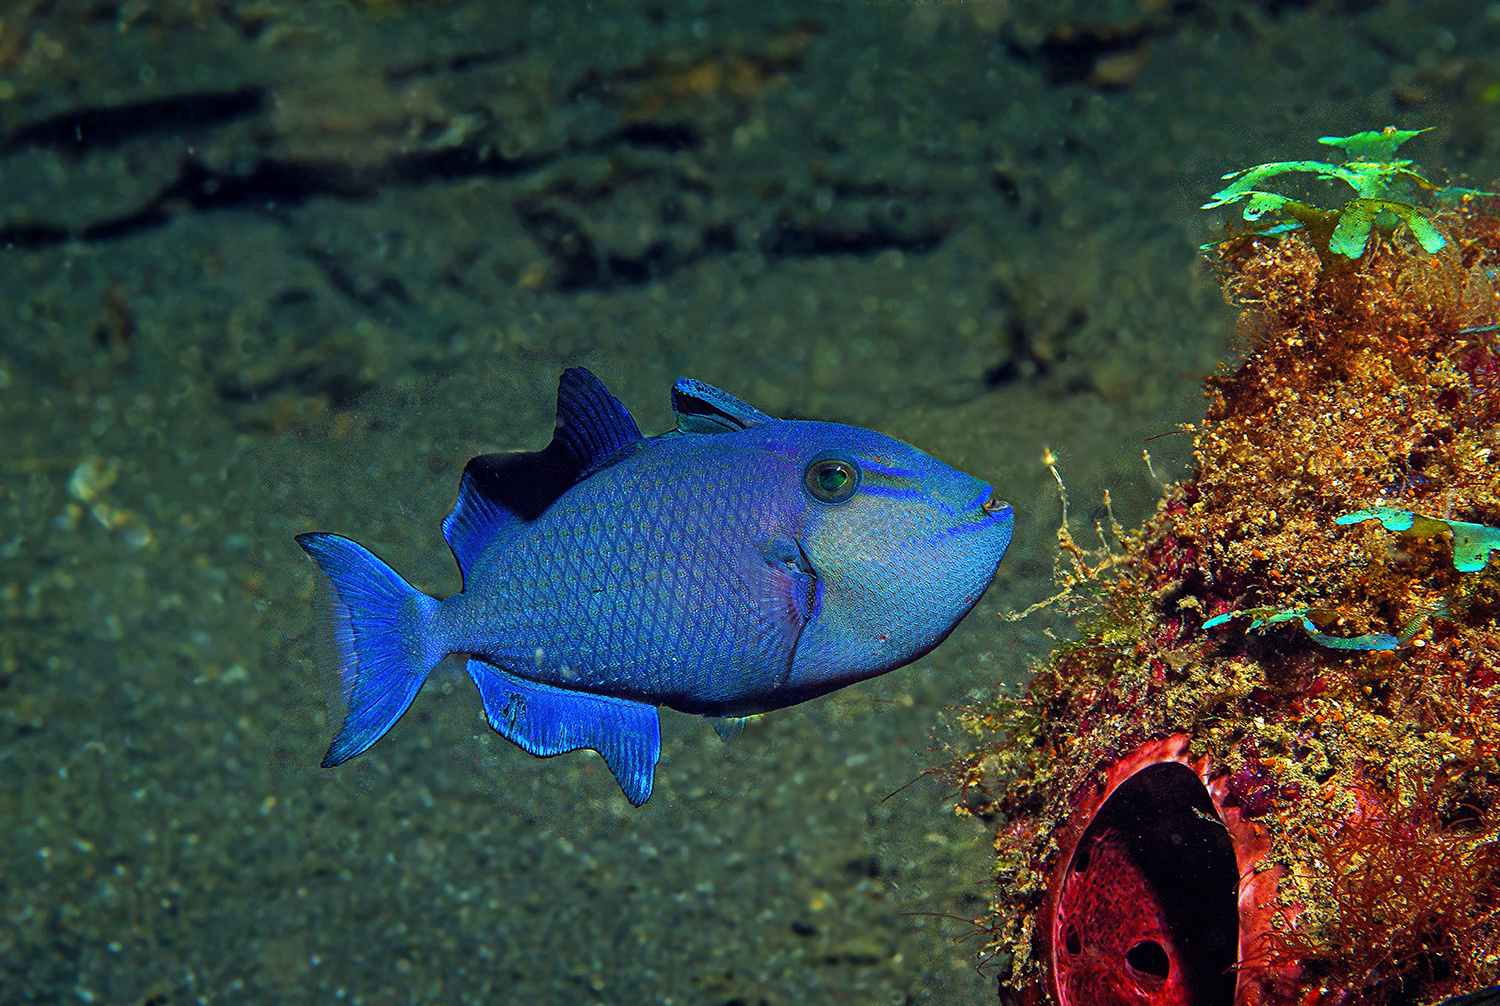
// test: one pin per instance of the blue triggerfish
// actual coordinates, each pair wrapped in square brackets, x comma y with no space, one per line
[734,565]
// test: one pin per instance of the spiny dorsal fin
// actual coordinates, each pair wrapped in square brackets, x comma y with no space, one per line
[703,408]
[498,490]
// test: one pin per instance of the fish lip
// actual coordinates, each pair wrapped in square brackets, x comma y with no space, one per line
[988,501]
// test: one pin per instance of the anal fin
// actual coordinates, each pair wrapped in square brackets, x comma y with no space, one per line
[546,720]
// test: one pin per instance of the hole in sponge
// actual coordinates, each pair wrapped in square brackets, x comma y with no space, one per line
[1149,957]
[1149,900]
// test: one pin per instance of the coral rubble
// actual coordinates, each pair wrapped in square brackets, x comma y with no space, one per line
[1360,785]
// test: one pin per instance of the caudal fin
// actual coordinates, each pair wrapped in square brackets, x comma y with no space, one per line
[383,635]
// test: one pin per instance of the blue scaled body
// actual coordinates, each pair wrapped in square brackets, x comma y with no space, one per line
[734,565]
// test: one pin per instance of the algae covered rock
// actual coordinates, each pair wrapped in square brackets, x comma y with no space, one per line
[1344,736]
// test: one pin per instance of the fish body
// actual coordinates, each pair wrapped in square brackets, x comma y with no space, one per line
[734,565]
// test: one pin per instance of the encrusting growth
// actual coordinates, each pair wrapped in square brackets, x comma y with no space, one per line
[1359,784]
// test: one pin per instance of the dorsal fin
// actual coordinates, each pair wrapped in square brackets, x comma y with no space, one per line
[498,490]
[592,424]
[703,408]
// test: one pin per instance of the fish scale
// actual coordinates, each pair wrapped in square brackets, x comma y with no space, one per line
[734,565]
[634,626]
[629,615]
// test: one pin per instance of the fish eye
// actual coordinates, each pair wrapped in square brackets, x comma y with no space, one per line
[831,480]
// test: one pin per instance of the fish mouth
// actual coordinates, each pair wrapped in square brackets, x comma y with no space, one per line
[994,505]
[988,502]
[986,518]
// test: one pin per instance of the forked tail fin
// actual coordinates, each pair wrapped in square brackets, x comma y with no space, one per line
[383,633]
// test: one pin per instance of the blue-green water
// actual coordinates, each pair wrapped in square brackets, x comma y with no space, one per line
[270,267]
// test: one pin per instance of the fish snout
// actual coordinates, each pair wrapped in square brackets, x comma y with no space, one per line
[996,522]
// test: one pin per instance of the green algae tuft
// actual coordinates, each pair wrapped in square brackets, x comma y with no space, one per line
[1472,543]
[1384,189]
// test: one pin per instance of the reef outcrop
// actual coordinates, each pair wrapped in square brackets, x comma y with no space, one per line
[1265,772]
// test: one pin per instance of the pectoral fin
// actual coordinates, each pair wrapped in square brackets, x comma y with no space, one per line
[793,583]
[546,721]
[728,727]
[787,594]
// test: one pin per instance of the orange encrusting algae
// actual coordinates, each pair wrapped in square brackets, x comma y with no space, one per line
[1371,777]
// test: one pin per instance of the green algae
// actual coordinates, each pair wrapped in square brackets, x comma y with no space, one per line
[1472,543]
[1382,184]
[1264,618]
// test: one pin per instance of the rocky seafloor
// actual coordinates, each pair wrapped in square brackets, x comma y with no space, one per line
[268,267]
